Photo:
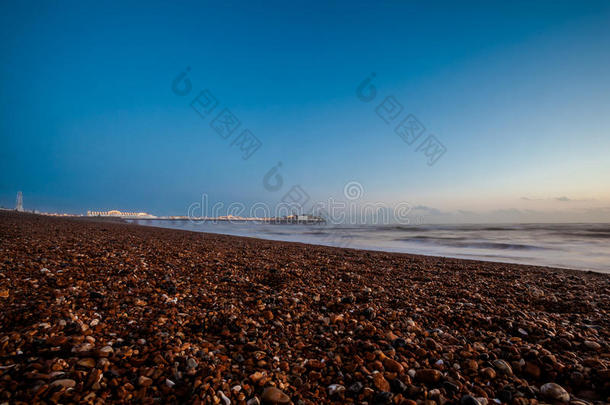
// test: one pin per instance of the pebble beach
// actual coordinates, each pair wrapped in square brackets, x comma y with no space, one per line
[97,312]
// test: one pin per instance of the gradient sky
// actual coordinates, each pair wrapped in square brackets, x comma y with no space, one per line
[517,92]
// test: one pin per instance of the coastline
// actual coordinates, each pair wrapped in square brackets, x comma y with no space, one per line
[104,310]
[547,245]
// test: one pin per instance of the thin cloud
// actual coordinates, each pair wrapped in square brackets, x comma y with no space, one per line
[429,210]
[562,198]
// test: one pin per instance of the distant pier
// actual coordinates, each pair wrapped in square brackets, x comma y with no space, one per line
[289,219]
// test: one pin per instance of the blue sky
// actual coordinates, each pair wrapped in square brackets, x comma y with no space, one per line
[518,93]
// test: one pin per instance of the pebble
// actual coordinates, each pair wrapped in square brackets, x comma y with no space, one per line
[399,343]
[555,392]
[274,396]
[144,381]
[257,377]
[469,400]
[369,313]
[83,348]
[488,373]
[435,393]
[86,362]
[429,375]
[355,388]
[398,386]
[380,382]
[105,351]
[503,367]
[382,398]
[224,398]
[532,370]
[334,389]
[65,383]
[591,345]
[392,365]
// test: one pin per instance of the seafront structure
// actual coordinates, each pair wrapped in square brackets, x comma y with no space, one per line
[19,204]
[289,219]
[120,214]
[298,219]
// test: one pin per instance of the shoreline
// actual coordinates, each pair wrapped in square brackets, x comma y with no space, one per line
[382,250]
[465,257]
[106,311]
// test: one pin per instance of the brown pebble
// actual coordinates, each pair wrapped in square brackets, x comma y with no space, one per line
[144,381]
[488,373]
[57,340]
[105,351]
[555,392]
[532,370]
[65,383]
[591,345]
[429,375]
[380,382]
[503,367]
[86,362]
[274,396]
[257,377]
[392,365]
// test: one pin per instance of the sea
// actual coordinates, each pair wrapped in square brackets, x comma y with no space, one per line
[573,246]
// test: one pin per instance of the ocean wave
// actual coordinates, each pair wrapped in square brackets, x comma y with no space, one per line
[593,234]
[464,243]
[431,238]
[315,233]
